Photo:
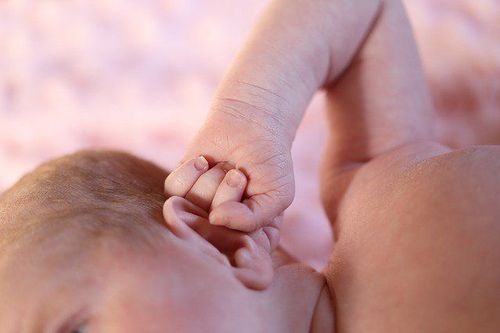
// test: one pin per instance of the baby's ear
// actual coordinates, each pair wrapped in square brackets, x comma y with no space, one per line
[253,265]
[248,256]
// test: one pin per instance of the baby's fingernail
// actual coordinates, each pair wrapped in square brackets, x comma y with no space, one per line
[234,178]
[201,163]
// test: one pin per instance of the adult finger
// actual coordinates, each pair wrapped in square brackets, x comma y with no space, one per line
[231,188]
[249,215]
[182,179]
[203,191]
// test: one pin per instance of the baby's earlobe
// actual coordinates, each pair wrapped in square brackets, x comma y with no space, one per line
[253,265]
[250,258]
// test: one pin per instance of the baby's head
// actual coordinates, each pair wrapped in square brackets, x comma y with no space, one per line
[83,245]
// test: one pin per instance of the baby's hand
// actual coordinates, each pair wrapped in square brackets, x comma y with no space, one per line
[194,190]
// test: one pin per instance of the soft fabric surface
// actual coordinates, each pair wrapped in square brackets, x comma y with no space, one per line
[139,75]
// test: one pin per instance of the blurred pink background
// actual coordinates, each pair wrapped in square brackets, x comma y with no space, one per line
[139,76]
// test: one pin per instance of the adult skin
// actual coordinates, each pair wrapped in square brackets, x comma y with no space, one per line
[296,47]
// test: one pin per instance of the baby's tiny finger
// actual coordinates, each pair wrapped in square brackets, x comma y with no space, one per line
[182,179]
[231,189]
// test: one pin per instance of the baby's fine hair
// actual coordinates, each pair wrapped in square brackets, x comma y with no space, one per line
[100,192]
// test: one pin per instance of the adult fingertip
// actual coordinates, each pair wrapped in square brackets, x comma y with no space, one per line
[214,219]
[218,217]
[236,178]
[233,215]
[201,163]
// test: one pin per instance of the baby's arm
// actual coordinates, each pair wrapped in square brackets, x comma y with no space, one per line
[380,104]
[417,227]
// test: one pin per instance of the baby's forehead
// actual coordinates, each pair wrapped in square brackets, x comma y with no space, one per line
[60,238]
[62,255]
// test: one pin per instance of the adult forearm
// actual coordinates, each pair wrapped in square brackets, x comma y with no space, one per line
[296,48]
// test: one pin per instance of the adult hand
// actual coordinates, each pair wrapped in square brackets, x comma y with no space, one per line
[296,48]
